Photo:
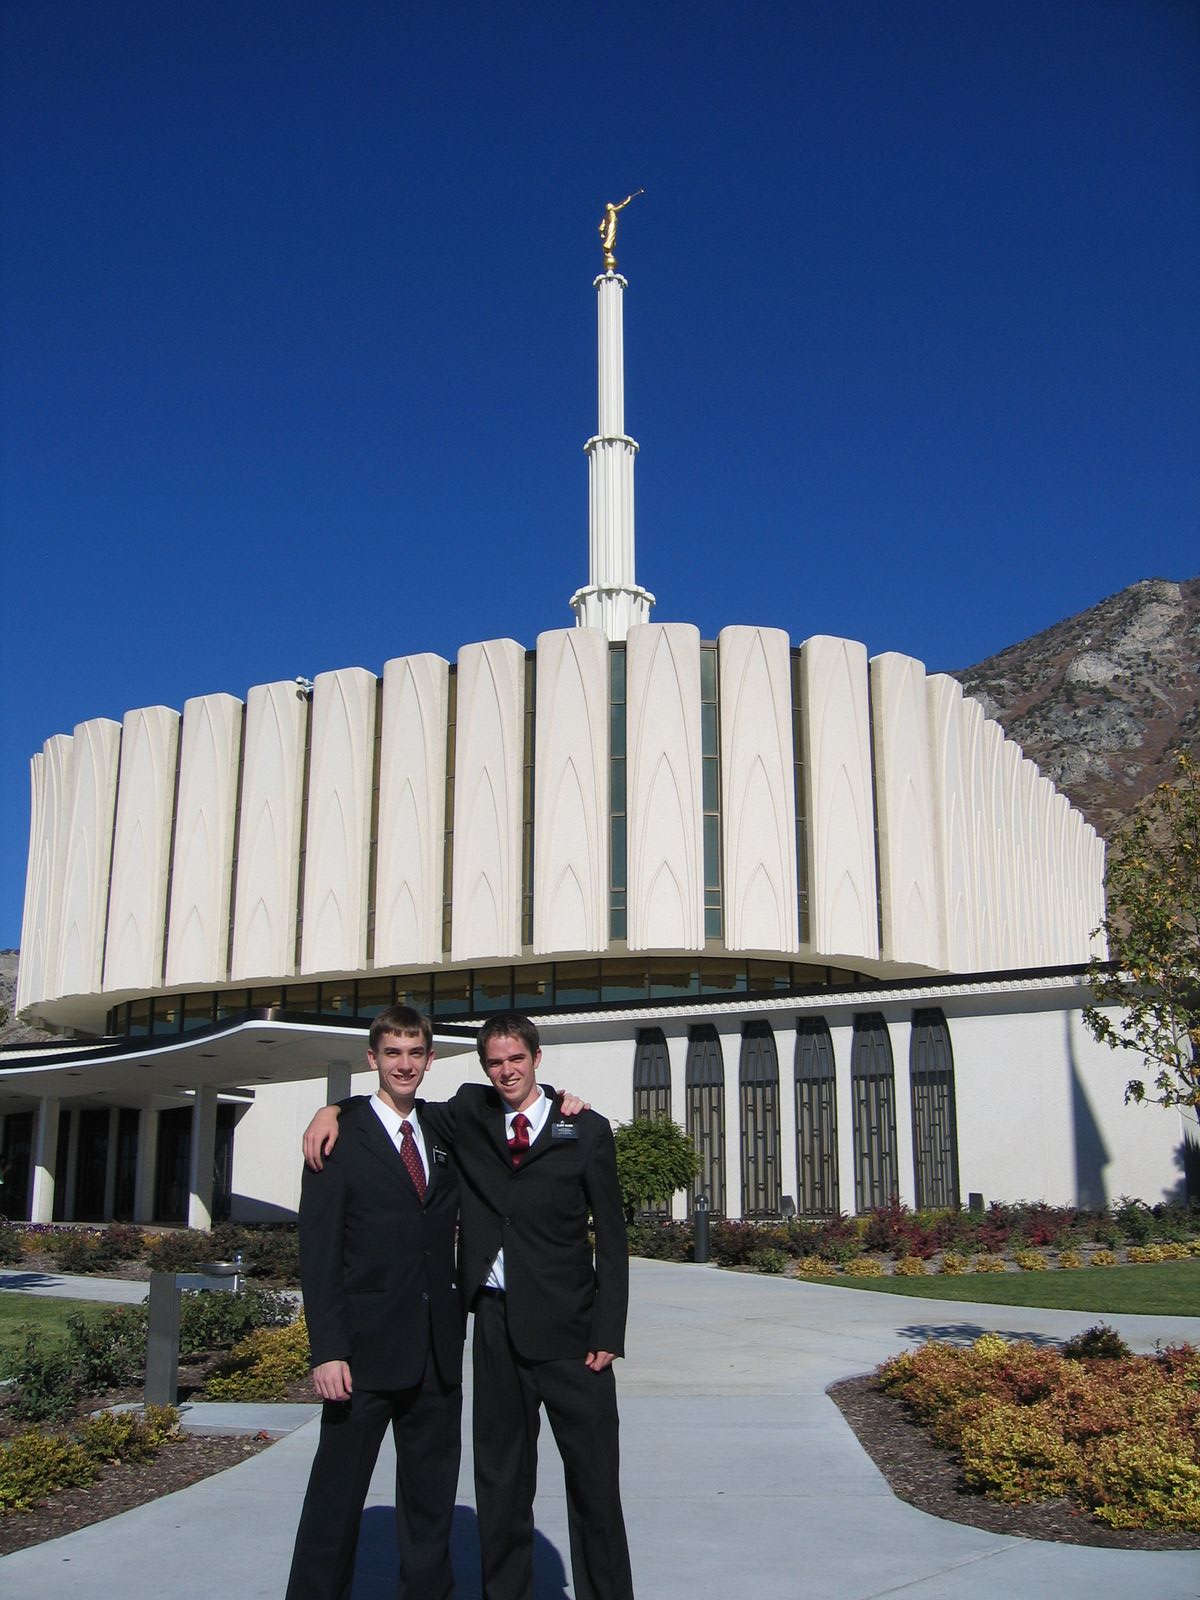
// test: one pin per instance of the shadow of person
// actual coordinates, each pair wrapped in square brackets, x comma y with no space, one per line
[376,1565]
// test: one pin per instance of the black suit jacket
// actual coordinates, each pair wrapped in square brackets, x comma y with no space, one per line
[562,1300]
[377,1265]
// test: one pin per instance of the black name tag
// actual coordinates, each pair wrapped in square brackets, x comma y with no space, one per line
[564,1130]
[439,1157]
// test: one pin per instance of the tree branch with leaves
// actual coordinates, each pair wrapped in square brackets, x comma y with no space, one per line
[1152,976]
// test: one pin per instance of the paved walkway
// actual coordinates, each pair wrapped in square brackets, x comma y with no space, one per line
[741,1478]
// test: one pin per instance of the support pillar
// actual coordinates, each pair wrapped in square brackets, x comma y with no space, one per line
[200,1174]
[45,1148]
[147,1165]
[337,1081]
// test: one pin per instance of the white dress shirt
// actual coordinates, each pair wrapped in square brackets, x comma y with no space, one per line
[392,1119]
[536,1115]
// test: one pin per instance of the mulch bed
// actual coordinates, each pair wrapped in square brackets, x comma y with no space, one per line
[928,1477]
[120,1488]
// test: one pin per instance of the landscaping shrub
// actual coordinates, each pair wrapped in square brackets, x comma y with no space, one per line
[262,1365]
[1098,1343]
[46,1384]
[768,1260]
[1134,1220]
[1069,1259]
[211,1319]
[11,1253]
[1103,1258]
[661,1241]
[1118,1433]
[34,1465]
[124,1242]
[180,1251]
[911,1267]
[953,1264]
[864,1267]
[110,1351]
[987,1264]
[273,1254]
[75,1251]
[816,1267]
[1031,1260]
[1145,1253]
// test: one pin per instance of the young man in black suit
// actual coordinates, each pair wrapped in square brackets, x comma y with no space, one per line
[385,1327]
[549,1314]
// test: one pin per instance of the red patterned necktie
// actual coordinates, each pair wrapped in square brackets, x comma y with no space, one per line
[518,1141]
[411,1158]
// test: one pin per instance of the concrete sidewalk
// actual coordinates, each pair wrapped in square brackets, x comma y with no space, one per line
[741,1478]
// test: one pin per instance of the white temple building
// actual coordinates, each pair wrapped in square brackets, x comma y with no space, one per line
[815,906]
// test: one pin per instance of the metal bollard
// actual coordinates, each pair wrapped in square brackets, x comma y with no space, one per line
[162,1341]
[700,1223]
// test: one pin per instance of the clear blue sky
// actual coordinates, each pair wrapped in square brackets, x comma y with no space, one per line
[298,349]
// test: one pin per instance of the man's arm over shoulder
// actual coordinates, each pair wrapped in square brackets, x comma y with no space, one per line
[612,1247]
[322,1233]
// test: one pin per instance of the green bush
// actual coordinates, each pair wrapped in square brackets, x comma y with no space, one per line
[123,1242]
[655,1159]
[211,1319]
[263,1365]
[34,1465]
[768,1260]
[180,1251]
[272,1253]
[11,1253]
[46,1383]
[1097,1343]
[661,1241]
[109,1351]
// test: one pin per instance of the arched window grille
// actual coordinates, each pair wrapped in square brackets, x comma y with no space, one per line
[758,1080]
[705,1091]
[816,1119]
[935,1123]
[873,1090]
[652,1091]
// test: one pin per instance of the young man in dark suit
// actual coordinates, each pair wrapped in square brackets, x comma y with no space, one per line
[549,1313]
[385,1327]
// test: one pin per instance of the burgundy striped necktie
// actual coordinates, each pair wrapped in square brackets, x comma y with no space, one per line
[411,1158]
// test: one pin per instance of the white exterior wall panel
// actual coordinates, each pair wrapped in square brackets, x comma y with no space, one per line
[952,820]
[49,774]
[338,836]
[412,812]
[78,961]
[841,813]
[489,750]
[202,870]
[663,790]
[264,918]
[909,891]
[571,848]
[137,907]
[758,803]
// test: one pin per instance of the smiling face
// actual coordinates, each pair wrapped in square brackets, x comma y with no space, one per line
[401,1060]
[513,1071]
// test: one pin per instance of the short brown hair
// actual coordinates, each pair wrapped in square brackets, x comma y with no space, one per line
[402,1020]
[508,1025]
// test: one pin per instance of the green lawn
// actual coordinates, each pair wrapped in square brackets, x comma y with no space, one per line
[48,1315]
[1170,1288]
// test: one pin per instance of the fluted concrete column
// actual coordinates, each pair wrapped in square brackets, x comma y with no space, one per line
[147,1165]
[45,1148]
[200,1172]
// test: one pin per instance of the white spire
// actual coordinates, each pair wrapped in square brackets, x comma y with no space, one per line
[612,599]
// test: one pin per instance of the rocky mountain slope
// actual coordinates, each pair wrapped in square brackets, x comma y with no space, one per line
[1103,701]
